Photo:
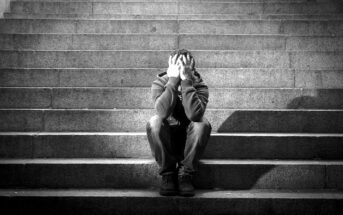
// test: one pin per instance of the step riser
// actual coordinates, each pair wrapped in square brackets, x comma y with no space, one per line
[300,27]
[157,59]
[136,146]
[255,78]
[107,205]
[221,120]
[237,176]
[167,42]
[180,16]
[128,98]
[173,8]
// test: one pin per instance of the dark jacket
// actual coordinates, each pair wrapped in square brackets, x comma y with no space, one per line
[183,105]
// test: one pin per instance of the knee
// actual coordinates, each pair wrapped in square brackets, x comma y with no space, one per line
[203,126]
[155,123]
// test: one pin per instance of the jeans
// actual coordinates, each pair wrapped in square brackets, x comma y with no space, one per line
[177,147]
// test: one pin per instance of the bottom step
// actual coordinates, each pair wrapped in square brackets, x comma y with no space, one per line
[149,202]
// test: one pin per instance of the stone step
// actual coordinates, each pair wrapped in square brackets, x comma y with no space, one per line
[219,77]
[220,1]
[11,15]
[143,173]
[137,97]
[174,7]
[135,145]
[123,201]
[131,120]
[167,42]
[59,26]
[158,59]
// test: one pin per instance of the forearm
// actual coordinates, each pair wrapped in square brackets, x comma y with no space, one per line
[194,101]
[165,102]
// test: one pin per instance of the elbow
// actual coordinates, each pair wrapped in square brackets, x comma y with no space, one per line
[162,115]
[162,112]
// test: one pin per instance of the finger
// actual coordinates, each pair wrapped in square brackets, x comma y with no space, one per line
[184,61]
[178,62]
[170,60]
[181,59]
[174,59]
[192,62]
[188,58]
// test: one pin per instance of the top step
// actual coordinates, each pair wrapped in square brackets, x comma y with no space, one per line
[159,8]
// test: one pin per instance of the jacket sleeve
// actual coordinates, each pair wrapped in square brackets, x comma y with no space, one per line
[194,100]
[164,97]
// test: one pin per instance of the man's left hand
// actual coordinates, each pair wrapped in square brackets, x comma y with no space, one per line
[186,67]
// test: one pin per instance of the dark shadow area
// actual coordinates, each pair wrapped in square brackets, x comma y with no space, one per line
[324,99]
[304,114]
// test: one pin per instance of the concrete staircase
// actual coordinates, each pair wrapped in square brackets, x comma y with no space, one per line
[75,80]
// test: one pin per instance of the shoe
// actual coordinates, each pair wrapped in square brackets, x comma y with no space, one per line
[168,185]
[186,187]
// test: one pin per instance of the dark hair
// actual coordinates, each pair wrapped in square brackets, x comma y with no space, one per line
[183,52]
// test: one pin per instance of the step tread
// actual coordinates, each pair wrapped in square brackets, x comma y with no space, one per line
[139,161]
[144,193]
[167,34]
[144,134]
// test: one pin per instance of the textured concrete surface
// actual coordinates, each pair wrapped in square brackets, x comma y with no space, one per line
[131,120]
[213,77]
[180,16]
[291,27]
[129,98]
[168,42]
[157,59]
[142,173]
[205,202]
[4,7]
[135,145]
[173,7]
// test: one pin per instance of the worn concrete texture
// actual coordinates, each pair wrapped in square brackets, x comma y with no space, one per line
[168,42]
[4,7]
[213,77]
[180,16]
[157,59]
[173,8]
[130,98]
[290,27]
[131,120]
[143,173]
[135,145]
[205,202]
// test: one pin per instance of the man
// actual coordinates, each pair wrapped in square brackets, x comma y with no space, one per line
[179,132]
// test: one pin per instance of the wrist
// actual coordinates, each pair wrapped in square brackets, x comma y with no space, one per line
[186,83]
[173,81]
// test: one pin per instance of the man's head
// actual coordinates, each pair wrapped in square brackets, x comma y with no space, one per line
[183,52]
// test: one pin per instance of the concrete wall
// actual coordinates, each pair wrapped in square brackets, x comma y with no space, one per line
[4,6]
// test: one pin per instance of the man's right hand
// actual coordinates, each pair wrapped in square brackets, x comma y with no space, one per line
[173,69]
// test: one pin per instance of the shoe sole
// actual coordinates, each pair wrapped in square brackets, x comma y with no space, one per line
[168,193]
[187,194]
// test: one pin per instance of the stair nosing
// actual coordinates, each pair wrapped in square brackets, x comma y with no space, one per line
[139,161]
[145,193]
[226,134]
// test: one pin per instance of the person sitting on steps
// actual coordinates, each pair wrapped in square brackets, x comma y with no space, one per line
[179,132]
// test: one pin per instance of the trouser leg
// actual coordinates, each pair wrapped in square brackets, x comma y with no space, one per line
[198,134]
[159,136]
